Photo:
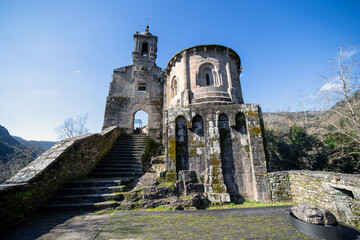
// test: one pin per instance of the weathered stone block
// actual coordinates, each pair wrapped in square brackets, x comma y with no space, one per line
[313,214]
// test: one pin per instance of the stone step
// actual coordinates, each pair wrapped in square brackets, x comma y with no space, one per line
[119,161]
[97,183]
[124,154]
[82,206]
[117,164]
[119,156]
[92,190]
[114,174]
[116,169]
[128,146]
[127,150]
[88,198]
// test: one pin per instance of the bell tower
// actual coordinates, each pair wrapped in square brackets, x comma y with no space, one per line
[145,48]
[135,87]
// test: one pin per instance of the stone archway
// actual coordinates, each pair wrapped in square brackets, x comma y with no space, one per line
[140,122]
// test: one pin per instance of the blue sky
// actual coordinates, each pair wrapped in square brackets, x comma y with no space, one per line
[57,57]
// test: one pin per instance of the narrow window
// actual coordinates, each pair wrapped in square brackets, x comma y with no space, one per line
[142,87]
[207,78]
[175,88]
[144,49]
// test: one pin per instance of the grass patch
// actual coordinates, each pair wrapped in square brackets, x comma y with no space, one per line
[248,204]
[159,208]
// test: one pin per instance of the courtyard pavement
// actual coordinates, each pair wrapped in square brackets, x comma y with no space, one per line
[250,223]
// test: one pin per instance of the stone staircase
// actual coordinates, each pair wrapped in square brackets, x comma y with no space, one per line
[104,186]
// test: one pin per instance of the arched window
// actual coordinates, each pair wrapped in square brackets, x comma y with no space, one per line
[144,49]
[207,75]
[174,86]
[207,78]
[240,121]
[198,125]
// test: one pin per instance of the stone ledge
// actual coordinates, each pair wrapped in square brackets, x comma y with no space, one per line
[33,185]
[336,192]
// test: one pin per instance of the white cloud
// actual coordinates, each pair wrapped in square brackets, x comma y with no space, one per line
[47,92]
[332,86]
[349,53]
[77,71]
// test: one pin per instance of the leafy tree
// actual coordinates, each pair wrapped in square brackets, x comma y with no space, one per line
[295,149]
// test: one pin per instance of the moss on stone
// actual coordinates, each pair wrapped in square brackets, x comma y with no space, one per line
[172,149]
[253,114]
[120,100]
[171,176]
[256,130]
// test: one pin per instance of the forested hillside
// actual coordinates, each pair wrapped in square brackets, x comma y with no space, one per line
[325,140]
[16,153]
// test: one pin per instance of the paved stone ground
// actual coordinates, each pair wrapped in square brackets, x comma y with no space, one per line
[254,223]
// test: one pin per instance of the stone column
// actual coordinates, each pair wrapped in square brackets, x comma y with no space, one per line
[215,187]
[257,155]
[185,100]
[228,73]
[170,146]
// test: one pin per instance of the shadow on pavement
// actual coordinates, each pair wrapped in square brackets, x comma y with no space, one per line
[39,225]
[350,233]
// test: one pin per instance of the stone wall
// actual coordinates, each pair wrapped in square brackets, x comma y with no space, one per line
[125,99]
[339,193]
[203,73]
[226,151]
[69,159]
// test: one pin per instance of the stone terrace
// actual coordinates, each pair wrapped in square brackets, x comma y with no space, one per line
[251,223]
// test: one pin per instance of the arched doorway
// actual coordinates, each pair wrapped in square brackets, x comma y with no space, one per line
[182,149]
[140,122]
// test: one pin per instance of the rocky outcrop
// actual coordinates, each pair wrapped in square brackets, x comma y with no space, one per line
[152,192]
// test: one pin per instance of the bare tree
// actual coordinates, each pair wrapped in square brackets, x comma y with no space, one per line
[341,88]
[72,127]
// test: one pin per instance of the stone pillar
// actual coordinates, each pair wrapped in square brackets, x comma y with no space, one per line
[170,146]
[186,94]
[257,154]
[215,188]
[228,73]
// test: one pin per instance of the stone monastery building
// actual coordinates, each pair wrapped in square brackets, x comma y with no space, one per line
[195,107]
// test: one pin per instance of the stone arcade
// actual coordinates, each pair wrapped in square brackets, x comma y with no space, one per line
[195,107]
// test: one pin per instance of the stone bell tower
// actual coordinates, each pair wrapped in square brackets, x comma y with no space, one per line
[145,48]
[137,87]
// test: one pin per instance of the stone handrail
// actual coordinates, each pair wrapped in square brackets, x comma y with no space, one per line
[69,159]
